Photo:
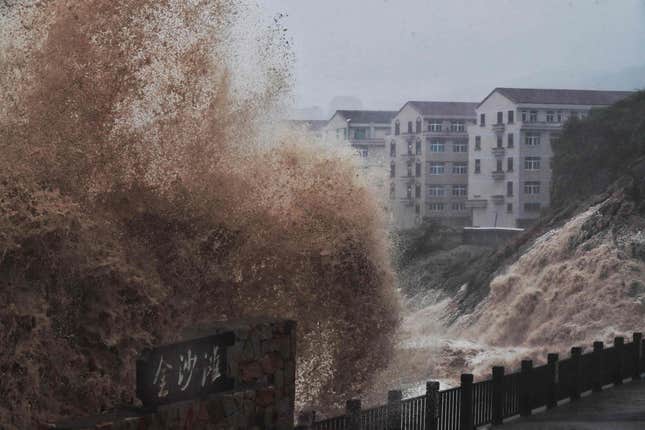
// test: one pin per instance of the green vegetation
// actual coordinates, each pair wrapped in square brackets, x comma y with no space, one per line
[594,152]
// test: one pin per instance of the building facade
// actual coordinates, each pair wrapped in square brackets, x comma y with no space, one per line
[365,131]
[509,172]
[428,163]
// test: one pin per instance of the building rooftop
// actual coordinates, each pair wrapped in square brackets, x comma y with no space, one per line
[562,97]
[368,116]
[460,109]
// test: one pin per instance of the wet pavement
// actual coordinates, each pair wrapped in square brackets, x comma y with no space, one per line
[621,407]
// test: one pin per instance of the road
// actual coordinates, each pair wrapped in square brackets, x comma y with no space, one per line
[620,407]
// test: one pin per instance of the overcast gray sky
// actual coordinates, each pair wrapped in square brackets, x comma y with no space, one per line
[388,51]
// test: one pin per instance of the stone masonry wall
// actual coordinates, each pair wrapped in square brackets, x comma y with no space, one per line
[262,365]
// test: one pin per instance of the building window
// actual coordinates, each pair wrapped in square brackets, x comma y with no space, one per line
[525,116]
[363,153]
[531,187]
[550,116]
[500,117]
[500,144]
[345,134]
[410,148]
[417,208]
[409,192]
[559,116]
[533,116]
[392,169]
[437,146]
[478,143]
[509,164]
[419,124]
[510,140]
[457,126]
[532,163]
[417,191]
[434,126]
[436,207]
[417,169]
[532,207]
[532,139]
[460,147]
[360,133]
[509,208]
[459,168]
[459,190]
[478,166]
[509,189]
[409,127]
[436,168]
[482,119]
[436,191]
[498,166]
[397,127]
[409,168]
[392,190]
[458,206]
[554,139]
[510,115]
[393,149]
[418,147]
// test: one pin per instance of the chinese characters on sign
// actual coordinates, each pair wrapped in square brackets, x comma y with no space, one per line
[183,371]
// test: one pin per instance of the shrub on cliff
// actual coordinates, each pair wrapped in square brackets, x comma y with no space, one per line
[595,151]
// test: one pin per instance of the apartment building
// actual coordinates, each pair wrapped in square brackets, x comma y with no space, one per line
[509,174]
[428,167]
[365,131]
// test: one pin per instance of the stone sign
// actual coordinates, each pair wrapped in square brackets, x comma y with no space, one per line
[184,371]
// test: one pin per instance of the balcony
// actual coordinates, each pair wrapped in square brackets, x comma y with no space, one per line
[477,204]
[499,128]
[368,141]
[541,125]
[445,133]
[499,151]
[498,175]
[497,199]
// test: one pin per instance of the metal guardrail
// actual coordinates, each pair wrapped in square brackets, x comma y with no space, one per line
[503,396]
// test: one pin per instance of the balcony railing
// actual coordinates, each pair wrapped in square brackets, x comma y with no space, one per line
[368,141]
[498,175]
[499,151]
[541,125]
[499,128]
[497,199]
[477,203]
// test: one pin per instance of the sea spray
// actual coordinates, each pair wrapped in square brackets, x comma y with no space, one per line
[573,284]
[140,195]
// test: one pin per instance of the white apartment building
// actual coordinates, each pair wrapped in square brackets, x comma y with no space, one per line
[509,174]
[365,131]
[428,151]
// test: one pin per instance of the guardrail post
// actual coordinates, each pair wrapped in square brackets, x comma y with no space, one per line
[466,409]
[432,405]
[525,388]
[394,398]
[306,420]
[552,382]
[353,413]
[576,383]
[638,355]
[598,369]
[498,395]
[619,343]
